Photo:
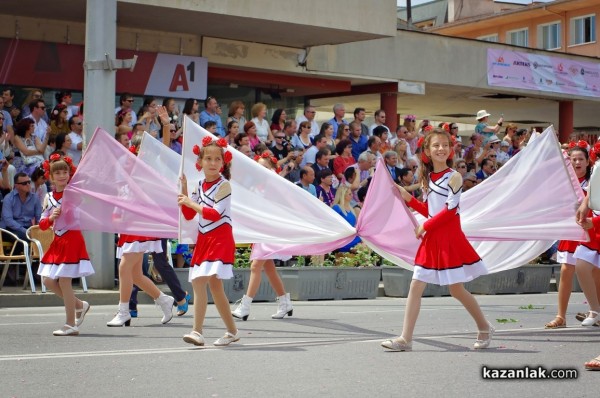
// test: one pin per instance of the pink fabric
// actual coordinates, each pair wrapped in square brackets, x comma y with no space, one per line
[114,192]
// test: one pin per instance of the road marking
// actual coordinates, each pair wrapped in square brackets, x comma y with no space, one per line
[185,349]
[25,323]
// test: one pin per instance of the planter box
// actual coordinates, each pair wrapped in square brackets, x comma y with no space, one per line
[576,285]
[331,283]
[529,278]
[396,283]
[234,288]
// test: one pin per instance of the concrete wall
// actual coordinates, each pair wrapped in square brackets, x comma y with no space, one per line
[373,16]
[419,57]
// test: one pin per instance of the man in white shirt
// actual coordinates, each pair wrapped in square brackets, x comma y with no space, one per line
[379,121]
[309,116]
[311,153]
[76,135]
[126,101]
[38,109]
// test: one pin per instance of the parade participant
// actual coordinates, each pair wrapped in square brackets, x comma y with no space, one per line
[566,249]
[214,253]
[131,249]
[67,257]
[268,265]
[444,256]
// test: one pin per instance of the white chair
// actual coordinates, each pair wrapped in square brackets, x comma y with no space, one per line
[40,242]
[8,257]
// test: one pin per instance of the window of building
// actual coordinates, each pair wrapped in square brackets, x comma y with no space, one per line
[492,38]
[549,36]
[429,23]
[518,37]
[583,29]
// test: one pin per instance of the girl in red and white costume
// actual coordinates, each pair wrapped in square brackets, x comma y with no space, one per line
[67,257]
[268,265]
[587,255]
[131,249]
[445,256]
[580,161]
[214,253]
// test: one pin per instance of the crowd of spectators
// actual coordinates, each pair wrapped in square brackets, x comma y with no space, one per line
[318,157]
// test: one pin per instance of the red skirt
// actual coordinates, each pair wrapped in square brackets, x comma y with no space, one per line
[445,256]
[213,246]
[66,257]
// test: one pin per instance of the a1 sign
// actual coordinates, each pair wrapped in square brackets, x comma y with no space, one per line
[178,76]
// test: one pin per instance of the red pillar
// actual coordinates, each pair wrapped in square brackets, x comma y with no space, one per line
[565,120]
[389,103]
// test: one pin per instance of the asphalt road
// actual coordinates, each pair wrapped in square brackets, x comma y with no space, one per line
[328,348]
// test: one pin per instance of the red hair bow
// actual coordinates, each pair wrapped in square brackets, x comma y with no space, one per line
[133,149]
[54,157]
[222,142]
[196,150]
[206,141]
[227,157]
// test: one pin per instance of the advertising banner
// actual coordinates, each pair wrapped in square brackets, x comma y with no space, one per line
[525,71]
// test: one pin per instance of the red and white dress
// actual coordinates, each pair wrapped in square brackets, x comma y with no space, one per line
[566,248]
[137,244]
[214,253]
[445,256]
[67,256]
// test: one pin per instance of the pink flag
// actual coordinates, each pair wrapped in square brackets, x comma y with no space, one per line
[114,192]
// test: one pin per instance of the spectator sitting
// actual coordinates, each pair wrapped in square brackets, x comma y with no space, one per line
[325,190]
[122,138]
[174,143]
[76,135]
[383,134]
[278,121]
[289,130]
[364,167]
[211,127]
[307,177]
[34,94]
[359,118]
[461,166]
[39,184]
[123,122]
[509,132]
[469,181]
[327,131]
[250,129]
[233,129]
[236,113]
[342,205]
[391,160]
[488,167]
[310,154]
[20,209]
[303,138]
[359,141]
[245,149]
[210,113]
[474,153]
[407,180]
[344,159]
[58,120]
[280,147]
[503,155]
[30,148]
[339,111]
[342,133]
[321,163]
[402,150]
[374,144]
[241,139]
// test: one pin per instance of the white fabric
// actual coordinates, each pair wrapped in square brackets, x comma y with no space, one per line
[265,207]
[208,268]
[55,271]
[587,254]
[150,246]
[522,200]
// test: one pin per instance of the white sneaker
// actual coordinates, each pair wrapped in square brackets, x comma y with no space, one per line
[227,339]
[194,338]
[166,305]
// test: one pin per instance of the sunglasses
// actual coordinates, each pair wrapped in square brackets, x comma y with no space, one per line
[23,182]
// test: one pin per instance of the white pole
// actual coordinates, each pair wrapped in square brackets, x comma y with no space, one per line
[98,95]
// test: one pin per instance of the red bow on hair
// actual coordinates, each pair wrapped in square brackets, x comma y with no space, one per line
[446,127]
[227,157]
[198,167]
[206,141]
[581,144]
[133,149]
[420,142]
[54,157]
[452,144]
[424,158]
[222,142]
[196,150]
